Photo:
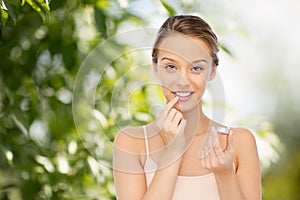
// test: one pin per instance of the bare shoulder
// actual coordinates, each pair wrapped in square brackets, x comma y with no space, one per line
[243,136]
[130,139]
[244,144]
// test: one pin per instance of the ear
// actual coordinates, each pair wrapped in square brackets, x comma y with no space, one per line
[213,73]
[154,65]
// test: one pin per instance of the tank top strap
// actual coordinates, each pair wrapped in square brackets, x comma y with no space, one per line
[146,140]
[150,166]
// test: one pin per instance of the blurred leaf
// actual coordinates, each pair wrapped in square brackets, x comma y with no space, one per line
[12,10]
[169,8]
[30,187]
[38,5]
[100,19]
[43,4]
[7,186]
[33,5]
[4,17]
[56,4]
[102,4]
[226,50]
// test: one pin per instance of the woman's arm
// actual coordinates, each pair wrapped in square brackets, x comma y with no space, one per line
[133,185]
[248,168]
[129,176]
[245,183]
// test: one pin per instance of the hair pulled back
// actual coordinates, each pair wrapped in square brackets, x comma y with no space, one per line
[188,25]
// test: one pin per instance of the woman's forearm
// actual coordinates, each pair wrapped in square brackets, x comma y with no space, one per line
[228,187]
[163,183]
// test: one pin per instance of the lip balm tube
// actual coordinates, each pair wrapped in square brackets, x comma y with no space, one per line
[211,139]
[223,130]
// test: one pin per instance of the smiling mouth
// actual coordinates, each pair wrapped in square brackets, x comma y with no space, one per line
[182,94]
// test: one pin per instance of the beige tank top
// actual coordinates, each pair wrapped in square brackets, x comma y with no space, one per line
[187,187]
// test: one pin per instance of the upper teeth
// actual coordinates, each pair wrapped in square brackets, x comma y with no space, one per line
[183,94]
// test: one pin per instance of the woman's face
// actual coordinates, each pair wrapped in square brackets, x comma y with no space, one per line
[184,65]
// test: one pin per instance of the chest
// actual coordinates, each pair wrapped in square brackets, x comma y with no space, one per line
[191,163]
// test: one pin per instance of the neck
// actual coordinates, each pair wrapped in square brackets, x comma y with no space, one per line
[197,121]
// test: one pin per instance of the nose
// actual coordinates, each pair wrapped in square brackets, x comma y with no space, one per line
[182,80]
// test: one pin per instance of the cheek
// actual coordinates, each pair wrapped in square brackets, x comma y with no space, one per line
[167,79]
[167,93]
[205,76]
[199,85]
[199,81]
[167,84]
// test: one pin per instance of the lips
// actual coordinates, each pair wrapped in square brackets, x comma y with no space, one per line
[183,95]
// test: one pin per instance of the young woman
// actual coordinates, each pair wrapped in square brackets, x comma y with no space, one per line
[184,155]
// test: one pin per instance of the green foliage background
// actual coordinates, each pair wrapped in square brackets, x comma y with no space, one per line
[41,47]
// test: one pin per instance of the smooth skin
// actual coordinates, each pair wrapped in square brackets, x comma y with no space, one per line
[233,160]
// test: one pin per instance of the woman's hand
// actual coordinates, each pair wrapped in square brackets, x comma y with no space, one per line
[218,160]
[171,127]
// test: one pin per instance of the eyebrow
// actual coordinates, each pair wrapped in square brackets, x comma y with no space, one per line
[166,58]
[202,60]
[195,61]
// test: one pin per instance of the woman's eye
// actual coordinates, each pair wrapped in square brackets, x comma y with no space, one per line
[197,68]
[170,67]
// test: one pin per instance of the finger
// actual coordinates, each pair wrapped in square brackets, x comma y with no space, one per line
[203,160]
[229,146]
[218,150]
[214,136]
[182,125]
[164,113]
[206,147]
[203,163]
[204,152]
[170,117]
[211,140]
[170,105]
[177,118]
[212,155]
[207,161]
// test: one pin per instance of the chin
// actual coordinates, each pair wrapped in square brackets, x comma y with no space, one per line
[186,106]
